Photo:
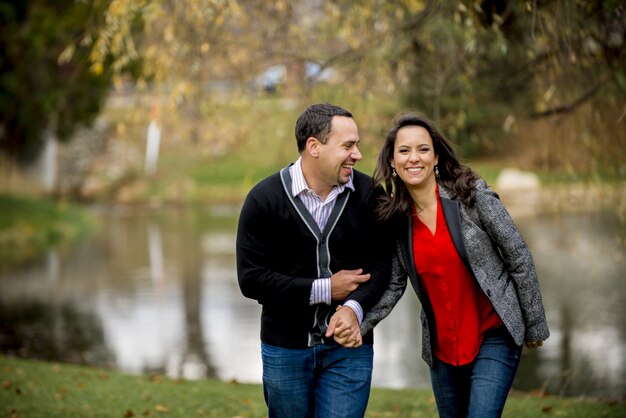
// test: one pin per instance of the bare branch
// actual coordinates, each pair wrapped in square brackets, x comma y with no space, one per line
[566,108]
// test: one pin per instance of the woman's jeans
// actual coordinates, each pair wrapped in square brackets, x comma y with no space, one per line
[323,381]
[478,389]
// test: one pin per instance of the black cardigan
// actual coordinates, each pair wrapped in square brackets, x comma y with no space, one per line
[281,251]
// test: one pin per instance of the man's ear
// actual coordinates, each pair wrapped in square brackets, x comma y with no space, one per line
[312,147]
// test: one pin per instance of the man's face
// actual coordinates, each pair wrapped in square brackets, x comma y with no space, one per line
[340,153]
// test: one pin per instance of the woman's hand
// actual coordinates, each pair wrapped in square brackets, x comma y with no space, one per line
[344,327]
[534,344]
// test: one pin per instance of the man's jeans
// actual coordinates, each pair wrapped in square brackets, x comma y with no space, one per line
[478,389]
[322,381]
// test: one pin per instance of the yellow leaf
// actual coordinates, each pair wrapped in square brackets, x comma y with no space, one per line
[161,408]
[67,54]
[415,6]
[96,68]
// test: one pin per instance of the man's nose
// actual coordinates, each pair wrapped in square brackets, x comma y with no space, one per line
[356,155]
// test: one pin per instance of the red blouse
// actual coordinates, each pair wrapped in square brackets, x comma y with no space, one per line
[462,311]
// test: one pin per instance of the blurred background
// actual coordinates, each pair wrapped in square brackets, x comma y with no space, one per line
[131,131]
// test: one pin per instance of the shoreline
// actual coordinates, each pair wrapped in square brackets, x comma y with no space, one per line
[574,198]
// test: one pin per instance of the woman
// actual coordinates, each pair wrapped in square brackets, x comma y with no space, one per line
[468,265]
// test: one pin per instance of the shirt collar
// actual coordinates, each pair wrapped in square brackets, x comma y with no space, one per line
[298,184]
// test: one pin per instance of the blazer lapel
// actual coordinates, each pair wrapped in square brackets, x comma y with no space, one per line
[452,213]
[406,244]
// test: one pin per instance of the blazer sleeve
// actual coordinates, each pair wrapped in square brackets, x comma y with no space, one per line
[376,257]
[502,231]
[392,294]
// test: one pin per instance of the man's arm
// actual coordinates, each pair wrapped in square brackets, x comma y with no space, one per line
[257,279]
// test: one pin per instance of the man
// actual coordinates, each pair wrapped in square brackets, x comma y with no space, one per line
[310,251]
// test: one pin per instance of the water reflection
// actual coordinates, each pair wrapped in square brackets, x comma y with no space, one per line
[157,293]
[581,261]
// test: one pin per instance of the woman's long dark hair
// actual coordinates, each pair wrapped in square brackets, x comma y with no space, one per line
[453,175]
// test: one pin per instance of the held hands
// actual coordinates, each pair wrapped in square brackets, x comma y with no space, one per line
[534,344]
[345,282]
[344,325]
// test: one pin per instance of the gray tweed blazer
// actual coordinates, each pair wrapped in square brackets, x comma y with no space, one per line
[495,253]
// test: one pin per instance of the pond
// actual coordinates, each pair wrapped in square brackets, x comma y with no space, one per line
[156,293]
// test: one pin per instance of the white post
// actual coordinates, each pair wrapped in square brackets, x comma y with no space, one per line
[47,166]
[153,142]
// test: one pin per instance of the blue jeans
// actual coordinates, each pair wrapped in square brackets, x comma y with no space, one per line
[478,389]
[322,381]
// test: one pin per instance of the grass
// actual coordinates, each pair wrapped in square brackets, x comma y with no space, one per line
[38,389]
[29,226]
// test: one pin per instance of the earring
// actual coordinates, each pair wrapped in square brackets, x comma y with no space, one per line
[436,171]
[393,172]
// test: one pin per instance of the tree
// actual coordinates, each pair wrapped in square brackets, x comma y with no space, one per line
[476,66]
[499,61]
[46,79]
[481,68]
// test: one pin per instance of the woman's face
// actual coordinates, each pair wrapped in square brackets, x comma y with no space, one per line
[414,157]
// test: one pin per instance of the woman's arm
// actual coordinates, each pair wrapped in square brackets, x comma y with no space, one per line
[502,231]
[392,294]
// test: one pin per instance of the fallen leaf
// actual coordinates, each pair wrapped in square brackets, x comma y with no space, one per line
[546,409]
[162,408]
[129,413]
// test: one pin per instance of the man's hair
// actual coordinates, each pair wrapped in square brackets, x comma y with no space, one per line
[315,122]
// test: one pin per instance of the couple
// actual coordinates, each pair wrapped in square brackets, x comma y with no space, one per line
[328,256]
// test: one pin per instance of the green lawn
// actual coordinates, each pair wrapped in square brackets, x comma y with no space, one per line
[33,389]
[29,226]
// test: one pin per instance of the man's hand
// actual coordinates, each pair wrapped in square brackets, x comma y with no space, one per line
[345,282]
[344,327]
